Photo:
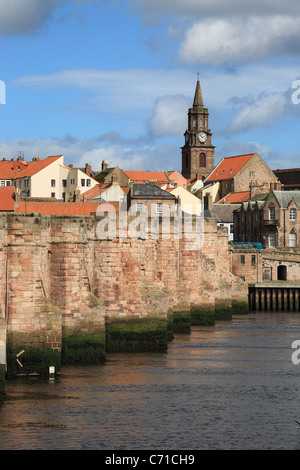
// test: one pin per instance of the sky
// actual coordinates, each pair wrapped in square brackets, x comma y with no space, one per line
[113,79]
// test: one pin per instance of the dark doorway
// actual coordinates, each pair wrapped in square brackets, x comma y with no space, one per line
[282,273]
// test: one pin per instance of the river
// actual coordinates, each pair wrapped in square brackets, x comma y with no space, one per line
[232,386]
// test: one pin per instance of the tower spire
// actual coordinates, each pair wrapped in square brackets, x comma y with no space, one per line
[198,100]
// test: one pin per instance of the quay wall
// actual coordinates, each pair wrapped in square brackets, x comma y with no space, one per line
[60,281]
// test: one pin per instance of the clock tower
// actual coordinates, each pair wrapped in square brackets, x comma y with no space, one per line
[198,154]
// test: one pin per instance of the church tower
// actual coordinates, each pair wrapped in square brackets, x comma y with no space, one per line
[198,154]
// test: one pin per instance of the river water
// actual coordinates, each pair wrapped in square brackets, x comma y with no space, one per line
[231,386]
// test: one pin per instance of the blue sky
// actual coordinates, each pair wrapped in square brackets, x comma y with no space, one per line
[113,79]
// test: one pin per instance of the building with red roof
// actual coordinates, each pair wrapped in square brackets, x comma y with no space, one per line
[241,174]
[49,177]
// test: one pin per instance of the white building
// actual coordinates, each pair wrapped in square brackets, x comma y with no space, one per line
[46,178]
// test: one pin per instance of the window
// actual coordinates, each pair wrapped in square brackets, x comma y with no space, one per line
[52,194]
[272,239]
[88,182]
[253,260]
[72,180]
[2,183]
[251,174]
[293,214]
[202,160]
[83,182]
[272,213]
[293,239]
[52,183]
[139,207]
[159,208]
[64,183]
[242,259]
[7,183]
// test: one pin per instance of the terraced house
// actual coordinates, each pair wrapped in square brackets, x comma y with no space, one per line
[272,219]
[47,178]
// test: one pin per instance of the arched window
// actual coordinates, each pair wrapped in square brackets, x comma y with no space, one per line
[202,160]
[293,239]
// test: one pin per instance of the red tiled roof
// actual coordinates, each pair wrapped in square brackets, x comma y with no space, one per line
[235,198]
[229,167]
[146,175]
[95,191]
[7,201]
[36,166]
[65,208]
[9,169]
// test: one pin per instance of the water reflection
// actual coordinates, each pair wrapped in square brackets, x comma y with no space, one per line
[232,386]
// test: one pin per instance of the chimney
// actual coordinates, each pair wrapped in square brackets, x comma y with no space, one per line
[199,176]
[88,169]
[275,186]
[104,165]
[17,198]
[77,195]
[208,202]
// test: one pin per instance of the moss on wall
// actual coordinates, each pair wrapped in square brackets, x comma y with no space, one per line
[240,308]
[83,349]
[202,316]
[182,322]
[32,361]
[223,312]
[137,335]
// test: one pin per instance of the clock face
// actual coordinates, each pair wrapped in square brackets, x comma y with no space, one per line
[202,137]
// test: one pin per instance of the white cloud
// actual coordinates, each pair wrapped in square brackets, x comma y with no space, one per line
[219,41]
[261,113]
[127,155]
[170,116]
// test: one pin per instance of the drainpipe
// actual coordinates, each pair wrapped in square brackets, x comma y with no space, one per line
[284,244]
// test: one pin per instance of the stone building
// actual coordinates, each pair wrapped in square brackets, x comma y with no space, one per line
[241,174]
[151,198]
[273,220]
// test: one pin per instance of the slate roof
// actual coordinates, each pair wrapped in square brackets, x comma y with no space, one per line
[148,190]
[224,212]
[284,198]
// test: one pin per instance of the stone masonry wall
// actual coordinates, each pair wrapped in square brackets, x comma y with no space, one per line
[60,279]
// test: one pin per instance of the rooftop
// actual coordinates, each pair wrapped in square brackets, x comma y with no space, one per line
[229,167]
